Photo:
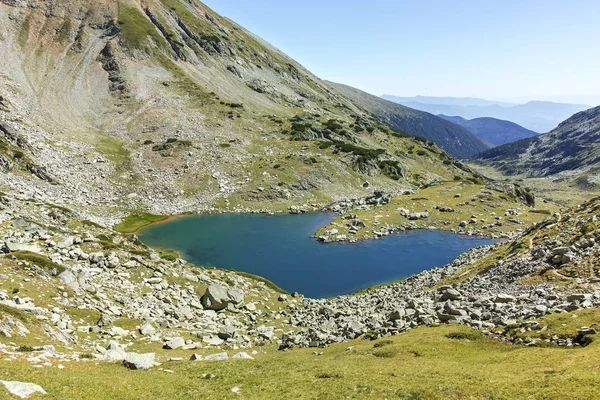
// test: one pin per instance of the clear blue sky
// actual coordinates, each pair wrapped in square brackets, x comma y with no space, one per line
[506,50]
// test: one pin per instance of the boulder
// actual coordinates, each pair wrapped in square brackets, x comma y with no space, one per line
[12,247]
[504,298]
[226,332]
[218,297]
[397,314]
[579,297]
[22,389]
[66,242]
[139,361]
[174,344]
[450,294]
[243,356]
[584,330]
[560,251]
[147,329]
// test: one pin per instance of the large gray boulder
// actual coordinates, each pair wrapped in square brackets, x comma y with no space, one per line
[218,297]
[12,247]
[139,361]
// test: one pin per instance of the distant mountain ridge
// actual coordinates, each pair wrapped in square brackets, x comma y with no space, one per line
[449,101]
[454,139]
[572,148]
[538,116]
[492,130]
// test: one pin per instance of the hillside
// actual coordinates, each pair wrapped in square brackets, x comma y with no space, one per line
[572,149]
[81,304]
[455,140]
[538,116]
[492,130]
[167,107]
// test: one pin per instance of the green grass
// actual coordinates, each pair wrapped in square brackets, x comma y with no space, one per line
[16,313]
[136,221]
[167,254]
[136,29]
[39,260]
[267,282]
[421,364]
[116,152]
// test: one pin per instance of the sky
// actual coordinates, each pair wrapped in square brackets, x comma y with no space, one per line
[502,50]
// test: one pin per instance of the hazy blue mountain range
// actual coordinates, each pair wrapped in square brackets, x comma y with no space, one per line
[491,130]
[538,116]
[454,139]
[448,101]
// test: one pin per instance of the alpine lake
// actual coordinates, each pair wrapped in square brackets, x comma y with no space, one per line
[282,249]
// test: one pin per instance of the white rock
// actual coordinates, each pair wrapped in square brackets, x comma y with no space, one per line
[217,357]
[243,356]
[139,361]
[22,389]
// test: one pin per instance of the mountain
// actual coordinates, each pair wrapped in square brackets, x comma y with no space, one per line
[538,116]
[165,106]
[572,148]
[457,141]
[448,101]
[491,130]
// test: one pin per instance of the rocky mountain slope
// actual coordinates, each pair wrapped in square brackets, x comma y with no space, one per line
[167,107]
[538,116]
[491,130]
[572,149]
[457,141]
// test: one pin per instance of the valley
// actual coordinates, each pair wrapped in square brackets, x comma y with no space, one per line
[188,212]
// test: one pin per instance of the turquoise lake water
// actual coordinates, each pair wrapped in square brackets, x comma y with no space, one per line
[281,248]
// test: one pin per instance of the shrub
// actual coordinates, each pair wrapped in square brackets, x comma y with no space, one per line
[333,125]
[464,335]
[383,343]
[327,375]
[385,353]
